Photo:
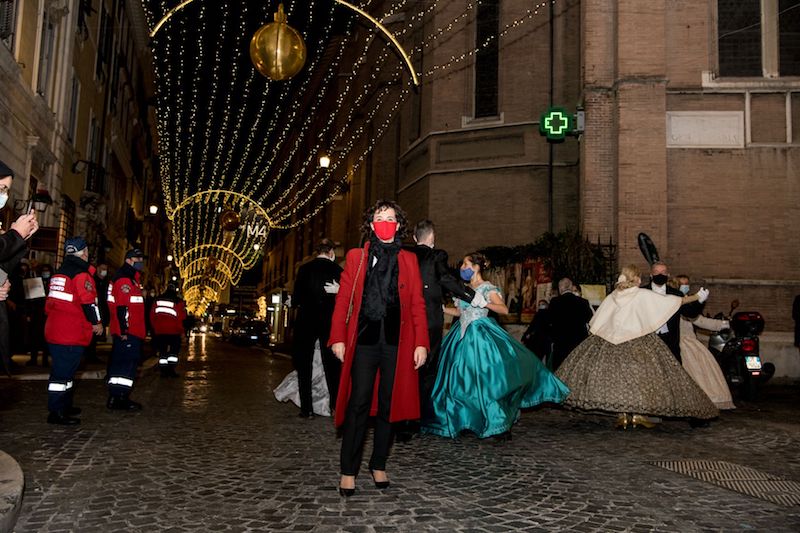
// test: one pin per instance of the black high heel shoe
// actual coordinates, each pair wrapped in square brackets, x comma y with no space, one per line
[379,484]
[347,492]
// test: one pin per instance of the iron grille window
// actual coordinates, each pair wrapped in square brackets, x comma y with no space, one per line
[73,107]
[7,21]
[46,54]
[104,42]
[486,60]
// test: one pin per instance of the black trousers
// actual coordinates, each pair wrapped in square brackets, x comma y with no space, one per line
[167,347]
[368,362]
[427,375]
[305,336]
[123,365]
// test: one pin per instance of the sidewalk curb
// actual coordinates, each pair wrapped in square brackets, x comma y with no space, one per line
[148,364]
[12,485]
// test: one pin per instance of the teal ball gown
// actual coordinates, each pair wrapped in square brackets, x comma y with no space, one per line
[486,376]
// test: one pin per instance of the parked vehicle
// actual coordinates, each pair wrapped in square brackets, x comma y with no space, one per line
[250,333]
[737,352]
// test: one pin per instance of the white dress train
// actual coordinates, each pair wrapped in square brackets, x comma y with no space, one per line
[320,399]
[700,364]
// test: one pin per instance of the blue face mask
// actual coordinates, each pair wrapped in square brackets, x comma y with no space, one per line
[684,289]
[467,273]
[138,265]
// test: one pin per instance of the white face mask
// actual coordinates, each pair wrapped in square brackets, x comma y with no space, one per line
[3,200]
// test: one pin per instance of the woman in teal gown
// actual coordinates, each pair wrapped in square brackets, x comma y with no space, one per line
[485,375]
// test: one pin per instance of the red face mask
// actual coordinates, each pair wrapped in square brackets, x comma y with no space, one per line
[385,229]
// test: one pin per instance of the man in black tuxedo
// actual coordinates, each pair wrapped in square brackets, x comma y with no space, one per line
[670,332]
[569,318]
[315,289]
[437,281]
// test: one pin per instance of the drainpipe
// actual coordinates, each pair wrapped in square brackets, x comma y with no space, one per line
[550,104]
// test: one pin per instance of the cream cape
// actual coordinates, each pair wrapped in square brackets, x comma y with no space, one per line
[630,313]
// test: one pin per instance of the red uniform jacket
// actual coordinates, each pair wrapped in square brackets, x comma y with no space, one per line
[126,292]
[413,333]
[67,322]
[167,316]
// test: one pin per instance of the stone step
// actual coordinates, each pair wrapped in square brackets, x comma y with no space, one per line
[12,484]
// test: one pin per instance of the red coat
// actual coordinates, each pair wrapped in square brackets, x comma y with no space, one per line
[126,292]
[167,316]
[67,323]
[413,333]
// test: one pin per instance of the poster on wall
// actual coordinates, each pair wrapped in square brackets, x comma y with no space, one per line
[507,280]
[528,291]
[593,293]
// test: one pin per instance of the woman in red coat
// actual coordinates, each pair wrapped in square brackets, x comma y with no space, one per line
[379,328]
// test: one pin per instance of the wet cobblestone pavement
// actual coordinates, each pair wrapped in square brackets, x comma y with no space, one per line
[214,451]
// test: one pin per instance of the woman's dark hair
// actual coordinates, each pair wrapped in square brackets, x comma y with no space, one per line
[380,205]
[477,258]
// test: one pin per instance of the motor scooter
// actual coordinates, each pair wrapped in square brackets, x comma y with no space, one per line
[737,352]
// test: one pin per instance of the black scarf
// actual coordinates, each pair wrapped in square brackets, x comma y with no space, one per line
[380,287]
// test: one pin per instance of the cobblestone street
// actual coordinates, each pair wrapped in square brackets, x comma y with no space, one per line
[214,451]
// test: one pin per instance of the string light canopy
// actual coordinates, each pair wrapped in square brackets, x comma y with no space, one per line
[234,141]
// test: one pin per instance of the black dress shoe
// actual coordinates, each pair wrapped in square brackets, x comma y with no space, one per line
[403,436]
[699,423]
[133,406]
[306,415]
[346,492]
[62,419]
[118,403]
[72,411]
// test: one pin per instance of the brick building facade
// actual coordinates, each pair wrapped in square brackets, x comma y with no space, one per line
[705,161]
[706,164]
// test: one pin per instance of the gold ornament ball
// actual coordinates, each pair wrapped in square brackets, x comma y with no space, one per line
[229,220]
[277,50]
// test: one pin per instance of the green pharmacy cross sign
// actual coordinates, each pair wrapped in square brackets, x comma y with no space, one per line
[555,124]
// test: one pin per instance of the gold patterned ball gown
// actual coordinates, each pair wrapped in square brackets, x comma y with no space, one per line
[701,365]
[623,367]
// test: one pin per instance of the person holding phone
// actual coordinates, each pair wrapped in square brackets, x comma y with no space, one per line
[13,247]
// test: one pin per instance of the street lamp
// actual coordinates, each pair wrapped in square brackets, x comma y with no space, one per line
[38,202]
[169,257]
[324,160]
[153,209]
[41,200]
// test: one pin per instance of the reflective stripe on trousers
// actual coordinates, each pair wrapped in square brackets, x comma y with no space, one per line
[59,387]
[123,382]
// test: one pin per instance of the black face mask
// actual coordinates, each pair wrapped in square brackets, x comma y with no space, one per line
[660,279]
